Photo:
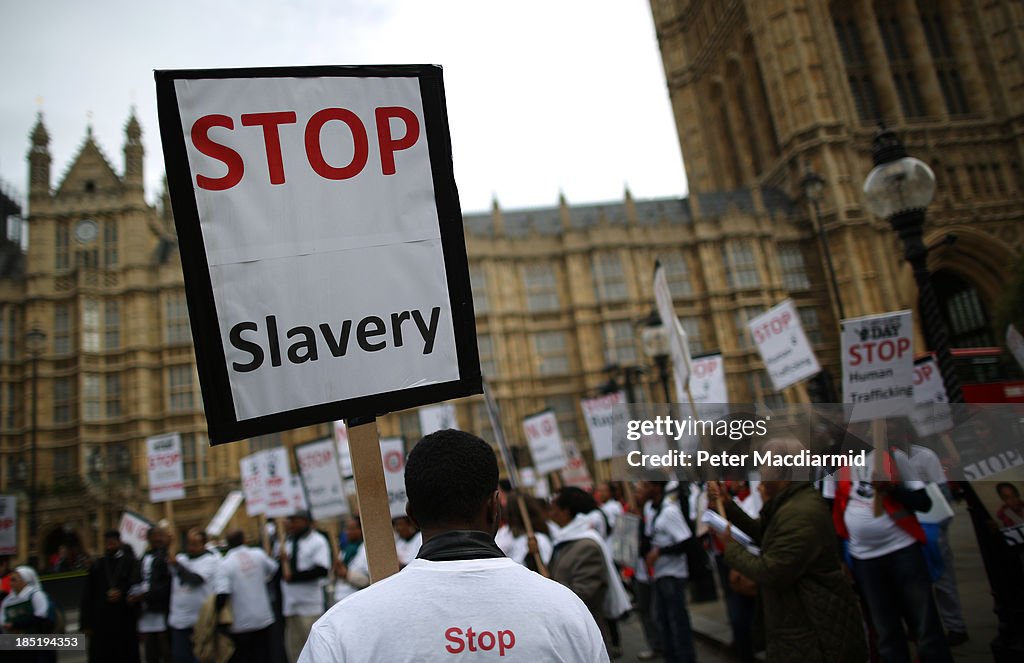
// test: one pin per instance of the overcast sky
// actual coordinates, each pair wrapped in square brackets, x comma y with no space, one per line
[543,95]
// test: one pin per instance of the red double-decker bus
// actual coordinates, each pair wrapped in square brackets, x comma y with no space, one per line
[989,375]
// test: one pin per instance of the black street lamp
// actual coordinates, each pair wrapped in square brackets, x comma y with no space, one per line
[899,189]
[656,347]
[35,338]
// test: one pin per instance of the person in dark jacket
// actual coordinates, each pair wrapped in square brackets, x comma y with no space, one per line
[106,617]
[807,609]
[153,596]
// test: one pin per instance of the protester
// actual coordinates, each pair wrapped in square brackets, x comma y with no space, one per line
[609,501]
[738,590]
[27,609]
[154,598]
[807,609]
[666,564]
[643,592]
[351,571]
[193,572]
[105,616]
[520,551]
[62,560]
[305,565]
[582,562]
[461,594]
[408,540]
[1011,512]
[887,556]
[242,577]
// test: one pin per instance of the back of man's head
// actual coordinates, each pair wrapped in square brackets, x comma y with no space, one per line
[449,476]
[575,500]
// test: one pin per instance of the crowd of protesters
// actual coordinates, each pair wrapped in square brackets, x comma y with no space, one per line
[842,571]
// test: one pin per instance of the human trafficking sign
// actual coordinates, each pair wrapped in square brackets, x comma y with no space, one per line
[321,242]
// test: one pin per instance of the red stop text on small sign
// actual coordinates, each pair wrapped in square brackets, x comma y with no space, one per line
[922,374]
[873,351]
[773,327]
[396,128]
[703,369]
[470,640]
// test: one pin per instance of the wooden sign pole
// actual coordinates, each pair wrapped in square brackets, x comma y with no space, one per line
[169,516]
[374,511]
[525,515]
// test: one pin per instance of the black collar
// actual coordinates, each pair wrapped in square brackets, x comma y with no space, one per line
[460,545]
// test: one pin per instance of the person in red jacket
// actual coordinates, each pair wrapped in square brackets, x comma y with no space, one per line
[887,556]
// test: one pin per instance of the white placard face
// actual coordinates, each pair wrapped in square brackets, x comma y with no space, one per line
[931,414]
[296,199]
[779,337]
[224,513]
[575,473]
[8,525]
[318,465]
[602,416]
[166,469]
[878,365]
[707,380]
[298,494]
[545,442]
[277,483]
[133,529]
[437,417]
[251,468]
[392,455]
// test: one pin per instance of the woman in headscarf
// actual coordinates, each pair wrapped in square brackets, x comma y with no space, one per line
[27,610]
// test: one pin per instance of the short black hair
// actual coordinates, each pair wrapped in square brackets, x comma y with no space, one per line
[448,477]
[112,534]
[235,538]
[1004,484]
[575,500]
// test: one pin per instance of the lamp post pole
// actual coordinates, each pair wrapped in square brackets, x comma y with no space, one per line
[34,342]
[813,184]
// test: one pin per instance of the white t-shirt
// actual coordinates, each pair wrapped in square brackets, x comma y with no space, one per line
[871,536]
[521,548]
[407,550]
[358,568]
[244,573]
[597,523]
[307,597]
[504,537]
[668,528]
[612,509]
[483,609]
[752,503]
[926,464]
[186,600]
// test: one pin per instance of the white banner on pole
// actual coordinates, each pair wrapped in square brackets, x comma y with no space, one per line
[166,469]
[8,525]
[288,182]
[437,417]
[344,458]
[545,442]
[134,528]
[931,414]
[318,465]
[785,350]
[252,484]
[227,509]
[392,455]
[602,415]
[878,365]
[575,472]
[679,347]
[707,381]
[494,416]
[277,483]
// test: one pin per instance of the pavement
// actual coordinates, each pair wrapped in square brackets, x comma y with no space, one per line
[713,634]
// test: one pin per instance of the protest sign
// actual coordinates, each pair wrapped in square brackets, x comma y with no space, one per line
[780,339]
[602,414]
[166,470]
[223,516]
[545,442]
[287,183]
[931,414]
[575,472]
[678,345]
[298,493]
[625,541]
[252,484]
[494,416]
[707,380]
[8,525]
[437,417]
[392,454]
[277,483]
[318,465]
[134,528]
[878,365]
[344,457]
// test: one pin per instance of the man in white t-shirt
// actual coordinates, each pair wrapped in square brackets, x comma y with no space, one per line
[667,565]
[305,564]
[193,572]
[242,576]
[887,555]
[461,596]
[408,540]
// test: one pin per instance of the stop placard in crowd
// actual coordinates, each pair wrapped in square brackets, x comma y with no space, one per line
[321,241]
[545,442]
[878,365]
[780,338]
[166,468]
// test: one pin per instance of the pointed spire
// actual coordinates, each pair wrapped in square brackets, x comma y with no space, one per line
[497,217]
[132,129]
[40,137]
[39,161]
[133,152]
[631,217]
[563,211]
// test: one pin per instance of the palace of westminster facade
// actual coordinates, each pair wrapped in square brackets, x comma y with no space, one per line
[761,90]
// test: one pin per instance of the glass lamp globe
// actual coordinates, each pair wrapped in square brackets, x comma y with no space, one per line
[899,186]
[655,340]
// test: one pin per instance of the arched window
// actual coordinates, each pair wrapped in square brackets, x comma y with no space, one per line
[941,49]
[968,321]
[901,63]
[858,69]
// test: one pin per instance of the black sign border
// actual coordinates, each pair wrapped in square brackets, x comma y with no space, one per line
[209,349]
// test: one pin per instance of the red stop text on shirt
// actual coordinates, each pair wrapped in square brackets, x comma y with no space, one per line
[396,128]
[470,640]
